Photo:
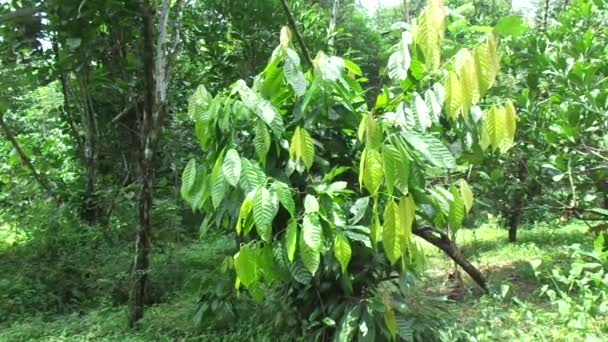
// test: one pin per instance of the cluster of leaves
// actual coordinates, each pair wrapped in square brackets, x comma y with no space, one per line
[279,168]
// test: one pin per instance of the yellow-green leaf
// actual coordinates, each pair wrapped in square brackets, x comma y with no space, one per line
[392,236]
[453,96]
[373,171]
[311,258]
[342,251]
[466,194]
[231,168]
[291,238]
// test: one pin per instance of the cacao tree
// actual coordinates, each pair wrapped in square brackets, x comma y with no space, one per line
[328,195]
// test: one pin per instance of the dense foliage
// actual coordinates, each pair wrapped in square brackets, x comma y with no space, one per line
[259,170]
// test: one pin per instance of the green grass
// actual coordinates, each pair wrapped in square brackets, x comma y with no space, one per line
[520,315]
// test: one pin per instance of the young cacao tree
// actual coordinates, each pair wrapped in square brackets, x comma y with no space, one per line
[327,194]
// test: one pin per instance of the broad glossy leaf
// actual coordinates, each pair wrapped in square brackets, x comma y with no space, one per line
[252,175]
[261,141]
[457,211]
[291,239]
[265,207]
[312,232]
[342,251]
[399,62]
[231,167]
[245,266]
[431,148]
[285,197]
[310,257]
[392,232]
[311,205]
[466,194]
[453,96]
[373,171]
[348,325]
[188,178]
[358,210]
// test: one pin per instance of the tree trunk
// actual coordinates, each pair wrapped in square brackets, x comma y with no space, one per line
[41,180]
[156,80]
[546,15]
[332,27]
[516,209]
[442,242]
[294,28]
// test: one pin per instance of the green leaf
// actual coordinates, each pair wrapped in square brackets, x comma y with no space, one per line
[310,257]
[244,212]
[342,251]
[373,171]
[348,325]
[457,211]
[285,197]
[407,214]
[219,186]
[312,232]
[466,194]
[231,168]
[252,175]
[495,126]
[510,26]
[399,62]
[245,266]
[453,96]
[293,73]
[291,239]
[261,141]
[199,102]
[265,208]
[392,232]
[311,205]
[391,158]
[423,117]
[302,147]
[431,148]
[259,105]
[358,210]
[188,178]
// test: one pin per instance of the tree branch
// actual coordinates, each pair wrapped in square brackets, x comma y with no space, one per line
[448,247]
[24,158]
[294,28]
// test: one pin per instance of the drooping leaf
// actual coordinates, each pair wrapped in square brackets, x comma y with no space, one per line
[291,238]
[311,205]
[430,148]
[400,60]
[373,171]
[245,266]
[188,178]
[259,106]
[466,194]
[457,211]
[510,119]
[348,325]
[199,101]
[453,96]
[422,112]
[244,212]
[265,207]
[302,147]
[252,175]
[392,232]
[219,186]
[312,232]
[495,126]
[342,251]
[358,210]
[310,257]
[261,141]
[285,197]
[391,157]
[293,73]
[407,214]
[231,168]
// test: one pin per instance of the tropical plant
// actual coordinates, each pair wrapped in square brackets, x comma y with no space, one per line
[327,194]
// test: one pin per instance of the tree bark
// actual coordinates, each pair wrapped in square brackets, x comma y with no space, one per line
[442,242]
[515,212]
[41,180]
[156,81]
[546,14]
[331,44]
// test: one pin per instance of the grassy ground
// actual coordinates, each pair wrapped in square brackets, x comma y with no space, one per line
[515,311]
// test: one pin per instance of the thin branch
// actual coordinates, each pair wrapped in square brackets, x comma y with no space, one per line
[294,28]
[24,158]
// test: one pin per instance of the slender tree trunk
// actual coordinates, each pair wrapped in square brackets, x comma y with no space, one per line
[332,27]
[546,15]
[515,211]
[156,80]
[444,243]
[41,180]
[406,11]
[294,28]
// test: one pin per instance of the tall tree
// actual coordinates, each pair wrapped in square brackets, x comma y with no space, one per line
[157,62]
